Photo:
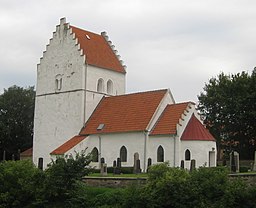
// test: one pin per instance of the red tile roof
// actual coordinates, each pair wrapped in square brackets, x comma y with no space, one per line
[97,51]
[195,130]
[68,145]
[27,152]
[169,119]
[124,113]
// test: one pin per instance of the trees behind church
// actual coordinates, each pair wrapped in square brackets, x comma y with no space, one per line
[16,120]
[228,105]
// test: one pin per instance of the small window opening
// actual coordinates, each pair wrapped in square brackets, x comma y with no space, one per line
[123,154]
[187,155]
[160,154]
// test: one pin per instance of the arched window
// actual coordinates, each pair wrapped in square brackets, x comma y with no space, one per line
[100,85]
[187,155]
[123,154]
[160,154]
[110,87]
[95,155]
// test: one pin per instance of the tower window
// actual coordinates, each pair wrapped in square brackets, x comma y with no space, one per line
[110,87]
[100,85]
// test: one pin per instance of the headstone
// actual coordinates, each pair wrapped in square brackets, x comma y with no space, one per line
[114,167]
[254,164]
[149,163]
[18,154]
[40,163]
[137,169]
[4,155]
[232,162]
[192,165]
[236,157]
[136,158]
[103,169]
[182,164]
[118,166]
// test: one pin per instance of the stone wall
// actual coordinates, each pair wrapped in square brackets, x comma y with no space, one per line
[122,182]
[113,182]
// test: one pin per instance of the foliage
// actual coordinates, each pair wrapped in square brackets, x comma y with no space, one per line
[229,108]
[62,174]
[23,185]
[17,183]
[16,119]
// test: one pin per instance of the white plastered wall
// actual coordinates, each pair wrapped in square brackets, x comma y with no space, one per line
[92,96]
[109,146]
[199,151]
[168,145]
[58,112]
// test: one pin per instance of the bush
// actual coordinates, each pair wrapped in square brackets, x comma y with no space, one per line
[17,183]
[243,169]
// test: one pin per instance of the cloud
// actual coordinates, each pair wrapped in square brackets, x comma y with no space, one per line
[165,44]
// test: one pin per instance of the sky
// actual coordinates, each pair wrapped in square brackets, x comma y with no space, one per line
[175,44]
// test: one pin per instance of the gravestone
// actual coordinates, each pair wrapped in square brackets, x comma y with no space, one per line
[192,165]
[40,163]
[114,167]
[236,157]
[137,168]
[254,164]
[136,158]
[182,164]
[4,155]
[103,169]
[149,163]
[18,157]
[232,162]
[118,166]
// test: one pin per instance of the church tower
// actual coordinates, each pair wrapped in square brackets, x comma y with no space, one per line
[77,69]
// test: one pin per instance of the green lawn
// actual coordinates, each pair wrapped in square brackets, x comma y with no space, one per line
[141,175]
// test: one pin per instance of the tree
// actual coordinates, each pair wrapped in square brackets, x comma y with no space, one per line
[16,119]
[228,105]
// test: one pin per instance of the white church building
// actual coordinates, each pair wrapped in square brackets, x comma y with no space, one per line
[81,103]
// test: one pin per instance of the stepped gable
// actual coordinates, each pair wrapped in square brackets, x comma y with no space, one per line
[97,50]
[195,130]
[61,150]
[167,123]
[124,113]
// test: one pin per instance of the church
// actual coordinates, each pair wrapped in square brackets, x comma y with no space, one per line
[81,103]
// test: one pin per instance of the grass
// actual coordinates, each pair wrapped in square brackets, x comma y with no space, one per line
[141,175]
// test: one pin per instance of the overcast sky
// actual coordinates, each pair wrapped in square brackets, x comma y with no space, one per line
[176,44]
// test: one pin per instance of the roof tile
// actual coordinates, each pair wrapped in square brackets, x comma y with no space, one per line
[195,130]
[68,145]
[167,123]
[124,113]
[97,50]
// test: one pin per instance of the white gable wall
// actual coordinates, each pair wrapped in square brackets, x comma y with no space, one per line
[58,111]
[167,99]
[199,151]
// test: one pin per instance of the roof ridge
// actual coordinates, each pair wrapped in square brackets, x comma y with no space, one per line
[183,103]
[135,93]
[84,30]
